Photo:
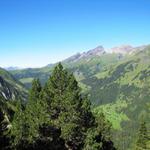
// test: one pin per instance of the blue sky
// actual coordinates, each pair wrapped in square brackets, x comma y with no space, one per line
[35,33]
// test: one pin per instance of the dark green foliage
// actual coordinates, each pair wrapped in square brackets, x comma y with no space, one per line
[58,117]
[143,138]
[19,125]
[3,128]
[99,136]
[35,91]
[68,110]
[26,123]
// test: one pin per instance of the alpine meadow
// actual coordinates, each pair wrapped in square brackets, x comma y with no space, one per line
[58,92]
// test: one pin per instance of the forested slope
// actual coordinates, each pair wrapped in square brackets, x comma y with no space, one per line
[117,84]
[11,88]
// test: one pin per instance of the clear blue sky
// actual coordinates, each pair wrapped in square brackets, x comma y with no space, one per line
[37,32]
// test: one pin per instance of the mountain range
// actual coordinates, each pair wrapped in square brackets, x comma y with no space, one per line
[117,81]
[98,56]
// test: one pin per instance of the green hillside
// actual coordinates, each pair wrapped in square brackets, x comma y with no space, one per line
[10,88]
[118,85]
[11,91]
[82,68]
[123,93]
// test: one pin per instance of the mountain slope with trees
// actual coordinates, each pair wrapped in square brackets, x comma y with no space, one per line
[11,88]
[55,117]
[117,84]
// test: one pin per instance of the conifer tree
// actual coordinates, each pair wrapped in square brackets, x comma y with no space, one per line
[42,135]
[68,110]
[3,128]
[141,143]
[35,91]
[27,122]
[99,136]
[19,128]
[59,117]
[35,111]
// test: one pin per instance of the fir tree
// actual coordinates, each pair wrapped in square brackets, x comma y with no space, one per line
[99,136]
[35,91]
[19,128]
[59,117]
[143,138]
[4,126]
[35,111]
[26,123]
[68,110]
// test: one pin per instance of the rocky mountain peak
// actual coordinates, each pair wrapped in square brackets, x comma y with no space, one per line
[99,50]
[123,49]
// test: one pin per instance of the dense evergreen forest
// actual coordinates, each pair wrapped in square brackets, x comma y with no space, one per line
[55,117]
[117,85]
[58,116]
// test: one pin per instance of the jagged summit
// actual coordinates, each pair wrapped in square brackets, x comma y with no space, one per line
[127,49]
[123,49]
[98,51]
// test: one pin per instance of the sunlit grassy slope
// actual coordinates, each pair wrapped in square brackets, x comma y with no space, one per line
[113,113]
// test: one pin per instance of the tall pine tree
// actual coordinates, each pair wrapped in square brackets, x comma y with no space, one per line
[68,110]
[4,125]
[19,130]
[59,117]
[35,111]
[99,136]
[27,122]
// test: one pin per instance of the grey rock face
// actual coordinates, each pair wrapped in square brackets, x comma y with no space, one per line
[98,51]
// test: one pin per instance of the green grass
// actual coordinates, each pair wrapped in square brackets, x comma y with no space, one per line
[26,80]
[132,77]
[113,113]
[102,75]
[84,87]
